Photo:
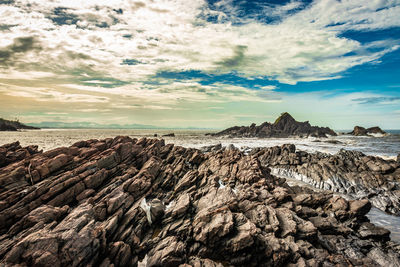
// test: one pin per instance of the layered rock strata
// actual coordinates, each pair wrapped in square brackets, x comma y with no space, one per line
[348,172]
[125,202]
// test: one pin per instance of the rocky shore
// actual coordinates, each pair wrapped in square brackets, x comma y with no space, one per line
[124,202]
[349,172]
[284,126]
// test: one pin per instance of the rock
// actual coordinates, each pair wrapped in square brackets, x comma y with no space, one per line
[169,135]
[209,226]
[168,252]
[100,203]
[13,152]
[361,131]
[157,210]
[284,126]
[360,207]
[375,130]
[211,148]
[181,206]
[347,172]
[370,231]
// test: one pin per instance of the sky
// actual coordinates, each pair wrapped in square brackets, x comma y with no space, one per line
[196,63]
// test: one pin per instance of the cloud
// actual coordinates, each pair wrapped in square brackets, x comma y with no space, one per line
[139,39]
[20,46]
[119,53]
[237,58]
[377,100]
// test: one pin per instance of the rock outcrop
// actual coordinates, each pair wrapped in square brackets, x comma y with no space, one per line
[284,126]
[349,172]
[6,125]
[361,131]
[13,152]
[124,202]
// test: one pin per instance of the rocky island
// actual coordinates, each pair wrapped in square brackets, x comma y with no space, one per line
[128,202]
[284,126]
[7,125]
[361,131]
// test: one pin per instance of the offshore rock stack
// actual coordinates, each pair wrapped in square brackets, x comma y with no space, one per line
[124,202]
[284,126]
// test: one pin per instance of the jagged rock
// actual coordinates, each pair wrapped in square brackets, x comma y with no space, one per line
[284,126]
[13,152]
[368,230]
[348,172]
[101,203]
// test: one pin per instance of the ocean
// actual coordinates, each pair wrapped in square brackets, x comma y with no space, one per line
[387,147]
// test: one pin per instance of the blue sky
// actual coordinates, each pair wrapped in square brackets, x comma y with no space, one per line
[214,64]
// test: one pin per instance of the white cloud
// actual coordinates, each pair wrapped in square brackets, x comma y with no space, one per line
[170,35]
[50,95]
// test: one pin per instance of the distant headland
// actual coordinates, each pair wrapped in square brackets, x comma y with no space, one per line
[8,125]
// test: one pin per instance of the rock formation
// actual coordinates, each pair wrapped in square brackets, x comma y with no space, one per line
[169,135]
[6,125]
[123,201]
[349,172]
[361,131]
[14,152]
[284,126]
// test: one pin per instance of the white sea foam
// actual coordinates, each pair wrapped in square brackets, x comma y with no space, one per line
[377,135]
